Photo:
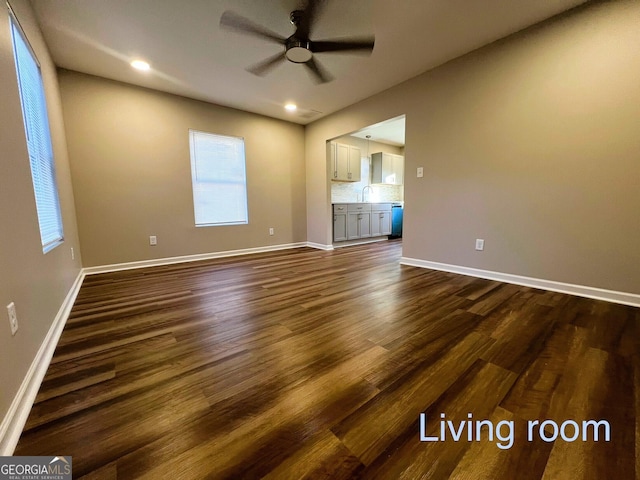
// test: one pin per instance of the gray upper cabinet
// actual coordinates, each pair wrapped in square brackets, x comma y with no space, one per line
[345,162]
[387,168]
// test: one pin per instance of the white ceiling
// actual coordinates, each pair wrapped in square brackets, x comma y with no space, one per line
[191,56]
[390,132]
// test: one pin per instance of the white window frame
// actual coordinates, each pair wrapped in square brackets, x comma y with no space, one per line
[38,137]
[218,179]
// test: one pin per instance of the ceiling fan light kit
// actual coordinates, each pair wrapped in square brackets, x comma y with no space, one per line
[298,52]
[298,48]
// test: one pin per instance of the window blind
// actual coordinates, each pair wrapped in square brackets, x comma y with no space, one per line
[36,123]
[219,179]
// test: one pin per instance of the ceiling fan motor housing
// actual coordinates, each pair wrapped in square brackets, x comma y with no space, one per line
[297,50]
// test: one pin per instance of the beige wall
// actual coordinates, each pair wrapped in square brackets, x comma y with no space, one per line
[531,143]
[129,152]
[35,282]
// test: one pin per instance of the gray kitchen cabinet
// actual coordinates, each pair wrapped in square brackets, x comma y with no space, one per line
[353,221]
[380,219]
[387,168]
[339,222]
[358,220]
[345,162]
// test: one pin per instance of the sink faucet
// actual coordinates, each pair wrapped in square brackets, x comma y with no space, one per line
[370,191]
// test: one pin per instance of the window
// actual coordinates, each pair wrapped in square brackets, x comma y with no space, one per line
[36,125]
[219,179]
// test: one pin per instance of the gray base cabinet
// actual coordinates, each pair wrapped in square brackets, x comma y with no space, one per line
[358,220]
[380,219]
[352,221]
[340,222]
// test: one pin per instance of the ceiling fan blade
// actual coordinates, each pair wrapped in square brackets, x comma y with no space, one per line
[262,68]
[364,45]
[241,24]
[320,74]
[308,19]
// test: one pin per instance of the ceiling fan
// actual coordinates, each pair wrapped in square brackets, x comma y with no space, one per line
[298,48]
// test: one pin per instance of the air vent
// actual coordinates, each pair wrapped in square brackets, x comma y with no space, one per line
[307,113]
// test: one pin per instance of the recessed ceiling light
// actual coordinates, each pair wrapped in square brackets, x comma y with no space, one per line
[291,107]
[140,65]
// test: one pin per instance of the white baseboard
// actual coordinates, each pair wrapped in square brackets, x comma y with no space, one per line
[623,298]
[361,241]
[16,417]
[189,258]
[320,246]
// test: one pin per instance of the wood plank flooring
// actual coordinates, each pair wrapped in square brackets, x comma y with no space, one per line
[312,364]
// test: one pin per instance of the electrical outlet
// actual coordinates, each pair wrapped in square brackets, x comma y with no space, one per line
[73,255]
[420,172]
[153,240]
[271,231]
[13,318]
[479,244]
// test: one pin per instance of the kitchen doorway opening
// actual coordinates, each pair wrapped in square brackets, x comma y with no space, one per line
[367,171]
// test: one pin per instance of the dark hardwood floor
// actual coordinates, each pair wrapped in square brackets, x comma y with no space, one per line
[312,364]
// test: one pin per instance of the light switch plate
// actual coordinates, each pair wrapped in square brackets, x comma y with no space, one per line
[420,172]
[13,318]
